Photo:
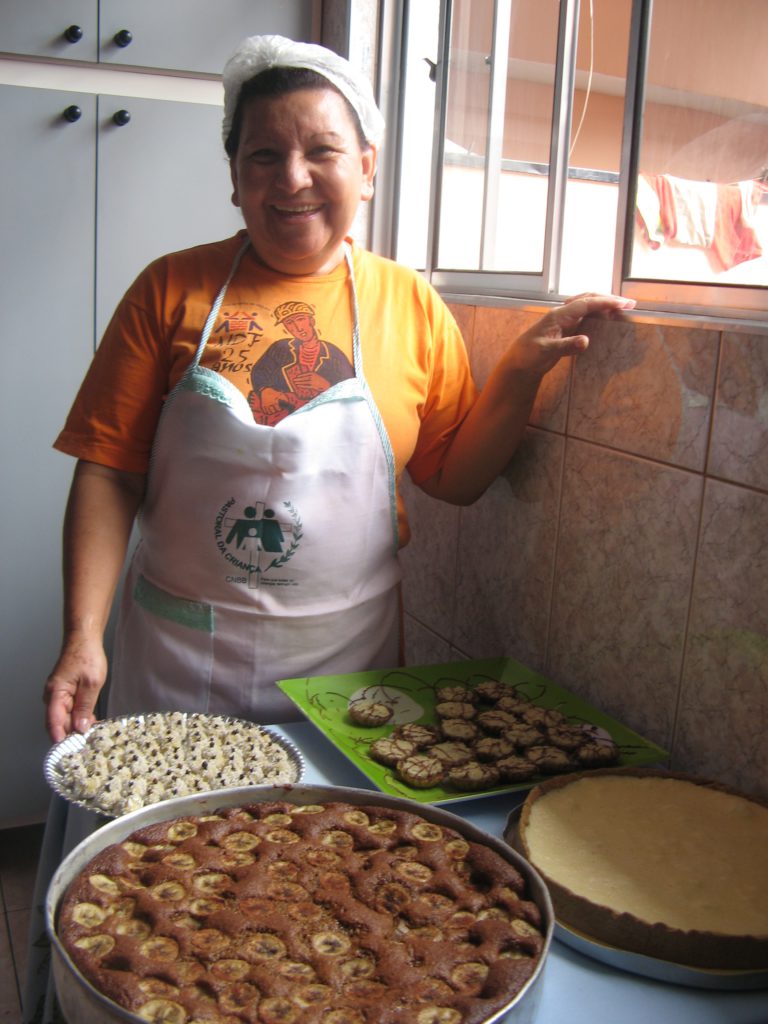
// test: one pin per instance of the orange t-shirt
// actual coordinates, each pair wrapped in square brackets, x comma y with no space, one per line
[281,341]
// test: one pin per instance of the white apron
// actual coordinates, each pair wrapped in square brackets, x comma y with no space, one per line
[266,552]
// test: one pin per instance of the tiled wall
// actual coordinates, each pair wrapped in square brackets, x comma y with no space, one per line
[624,552]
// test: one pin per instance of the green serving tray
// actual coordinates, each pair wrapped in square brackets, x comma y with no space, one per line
[412,693]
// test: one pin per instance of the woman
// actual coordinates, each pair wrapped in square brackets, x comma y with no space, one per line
[256,401]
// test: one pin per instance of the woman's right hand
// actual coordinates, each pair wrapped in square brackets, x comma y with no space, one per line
[74,686]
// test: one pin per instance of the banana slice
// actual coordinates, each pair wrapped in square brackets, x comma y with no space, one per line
[168,892]
[104,884]
[282,835]
[159,947]
[427,832]
[284,870]
[279,820]
[96,945]
[209,942]
[521,927]
[133,848]
[231,970]
[344,1015]
[89,915]
[241,840]
[357,818]
[211,882]
[337,839]
[383,827]
[457,848]
[157,987]
[312,995]
[264,946]
[133,928]
[438,1015]
[182,861]
[289,891]
[163,1010]
[469,976]
[276,1010]
[330,943]
[236,999]
[322,858]
[205,906]
[182,830]
[294,969]
[413,871]
[357,967]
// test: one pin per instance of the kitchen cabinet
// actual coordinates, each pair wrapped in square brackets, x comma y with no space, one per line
[87,202]
[179,35]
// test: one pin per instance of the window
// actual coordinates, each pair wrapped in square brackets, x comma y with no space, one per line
[602,145]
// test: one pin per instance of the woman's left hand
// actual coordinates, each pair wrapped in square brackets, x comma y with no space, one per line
[543,345]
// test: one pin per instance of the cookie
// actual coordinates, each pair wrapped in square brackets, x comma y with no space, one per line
[422,771]
[473,776]
[370,713]
[389,751]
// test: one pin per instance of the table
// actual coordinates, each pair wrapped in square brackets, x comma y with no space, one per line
[576,989]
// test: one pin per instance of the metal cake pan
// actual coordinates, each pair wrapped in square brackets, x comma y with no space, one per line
[81,1003]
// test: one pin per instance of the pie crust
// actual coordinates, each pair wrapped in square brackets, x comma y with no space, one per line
[663,864]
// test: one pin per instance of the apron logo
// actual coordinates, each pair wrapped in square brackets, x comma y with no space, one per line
[256,539]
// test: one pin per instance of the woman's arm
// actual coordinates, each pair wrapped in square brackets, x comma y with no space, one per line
[100,512]
[494,427]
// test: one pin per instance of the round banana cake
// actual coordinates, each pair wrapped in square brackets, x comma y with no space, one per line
[277,913]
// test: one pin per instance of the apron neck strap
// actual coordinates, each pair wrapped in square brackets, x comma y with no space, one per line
[357,355]
[215,308]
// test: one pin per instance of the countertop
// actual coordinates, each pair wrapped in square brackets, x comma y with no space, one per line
[576,989]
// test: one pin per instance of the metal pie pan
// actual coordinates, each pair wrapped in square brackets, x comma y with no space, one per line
[81,1002]
[57,779]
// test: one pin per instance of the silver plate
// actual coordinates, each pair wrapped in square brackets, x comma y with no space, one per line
[660,970]
[57,778]
[81,1002]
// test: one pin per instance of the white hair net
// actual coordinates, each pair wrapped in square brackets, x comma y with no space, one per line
[257,53]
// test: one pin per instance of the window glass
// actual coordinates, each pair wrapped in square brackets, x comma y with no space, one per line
[592,189]
[416,137]
[701,205]
[494,180]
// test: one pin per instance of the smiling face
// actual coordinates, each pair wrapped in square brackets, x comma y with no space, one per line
[299,174]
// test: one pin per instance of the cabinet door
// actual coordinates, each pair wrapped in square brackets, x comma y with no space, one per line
[47,167]
[195,35]
[50,28]
[163,185]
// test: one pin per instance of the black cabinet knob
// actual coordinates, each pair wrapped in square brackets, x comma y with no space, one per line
[123,37]
[121,117]
[73,34]
[72,113]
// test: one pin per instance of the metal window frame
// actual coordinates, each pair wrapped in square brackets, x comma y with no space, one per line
[728,301]
[483,282]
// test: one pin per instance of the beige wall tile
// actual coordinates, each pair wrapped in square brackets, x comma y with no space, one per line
[429,560]
[423,647]
[646,389]
[506,549]
[494,330]
[624,567]
[723,723]
[465,318]
[739,447]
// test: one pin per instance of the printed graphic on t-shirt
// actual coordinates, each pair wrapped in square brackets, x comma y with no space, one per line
[295,369]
